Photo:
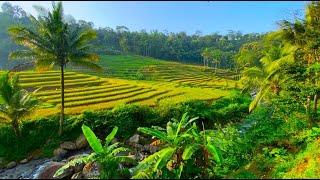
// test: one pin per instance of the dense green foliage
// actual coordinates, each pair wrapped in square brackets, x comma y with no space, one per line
[128,117]
[16,103]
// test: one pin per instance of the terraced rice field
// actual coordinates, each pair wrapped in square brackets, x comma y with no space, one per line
[85,90]
[158,70]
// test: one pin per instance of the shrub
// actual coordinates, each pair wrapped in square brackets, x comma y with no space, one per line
[245,174]
[130,117]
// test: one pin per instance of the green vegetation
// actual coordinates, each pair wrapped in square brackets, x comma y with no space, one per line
[252,99]
[106,156]
[186,152]
[16,103]
[51,42]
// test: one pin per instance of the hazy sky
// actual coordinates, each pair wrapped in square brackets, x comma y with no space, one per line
[176,16]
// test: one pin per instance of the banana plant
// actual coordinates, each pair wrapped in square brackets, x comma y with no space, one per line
[106,156]
[182,154]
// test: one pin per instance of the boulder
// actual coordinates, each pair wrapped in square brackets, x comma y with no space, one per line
[134,139]
[153,149]
[138,147]
[114,140]
[49,171]
[23,161]
[68,145]
[81,142]
[11,165]
[91,170]
[78,175]
[60,153]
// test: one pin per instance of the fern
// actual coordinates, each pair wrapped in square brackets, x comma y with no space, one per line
[74,162]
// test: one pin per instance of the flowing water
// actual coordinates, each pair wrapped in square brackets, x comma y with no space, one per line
[33,168]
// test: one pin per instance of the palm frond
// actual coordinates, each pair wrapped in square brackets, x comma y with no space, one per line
[74,162]
[88,65]
[256,101]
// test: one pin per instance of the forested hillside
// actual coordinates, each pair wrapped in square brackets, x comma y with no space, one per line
[120,40]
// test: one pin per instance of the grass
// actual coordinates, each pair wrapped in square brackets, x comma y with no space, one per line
[305,165]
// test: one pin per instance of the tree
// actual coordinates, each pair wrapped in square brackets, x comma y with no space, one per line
[216,56]
[305,35]
[15,102]
[270,75]
[206,55]
[51,42]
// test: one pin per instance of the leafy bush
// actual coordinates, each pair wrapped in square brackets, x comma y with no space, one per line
[231,108]
[107,156]
[186,152]
[236,151]
[138,76]
[245,174]
[130,117]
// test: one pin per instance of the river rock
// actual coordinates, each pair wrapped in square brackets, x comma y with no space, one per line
[52,168]
[68,145]
[11,165]
[91,170]
[114,140]
[138,147]
[60,153]
[153,149]
[23,161]
[78,175]
[81,142]
[134,139]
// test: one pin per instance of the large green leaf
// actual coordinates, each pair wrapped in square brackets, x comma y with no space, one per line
[147,161]
[111,135]
[215,153]
[165,155]
[155,133]
[182,123]
[189,151]
[92,139]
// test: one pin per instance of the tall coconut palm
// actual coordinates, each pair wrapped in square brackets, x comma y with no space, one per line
[205,54]
[15,102]
[52,41]
[269,76]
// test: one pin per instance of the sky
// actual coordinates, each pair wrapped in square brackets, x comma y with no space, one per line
[176,16]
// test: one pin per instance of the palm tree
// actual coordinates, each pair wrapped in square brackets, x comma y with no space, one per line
[269,76]
[304,34]
[15,102]
[205,54]
[51,42]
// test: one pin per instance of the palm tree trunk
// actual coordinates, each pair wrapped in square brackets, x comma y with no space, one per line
[308,105]
[215,69]
[315,103]
[62,101]
[15,127]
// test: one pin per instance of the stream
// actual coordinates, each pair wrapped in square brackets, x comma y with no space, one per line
[33,168]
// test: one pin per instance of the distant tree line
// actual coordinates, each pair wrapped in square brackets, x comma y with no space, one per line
[163,45]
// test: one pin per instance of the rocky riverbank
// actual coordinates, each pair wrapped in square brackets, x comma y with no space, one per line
[46,168]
